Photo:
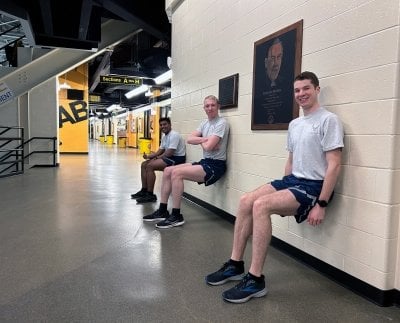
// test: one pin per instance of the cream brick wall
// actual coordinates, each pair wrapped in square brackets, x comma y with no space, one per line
[353,47]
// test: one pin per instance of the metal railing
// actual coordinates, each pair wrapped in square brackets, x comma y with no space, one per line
[11,151]
[52,151]
[13,148]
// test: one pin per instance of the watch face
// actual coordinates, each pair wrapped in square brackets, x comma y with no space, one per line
[322,203]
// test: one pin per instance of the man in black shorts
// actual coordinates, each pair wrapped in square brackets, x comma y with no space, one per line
[212,136]
[315,143]
[172,152]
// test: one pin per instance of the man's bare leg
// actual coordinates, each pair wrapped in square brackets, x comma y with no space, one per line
[244,220]
[166,185]
[280,202]
[189,172]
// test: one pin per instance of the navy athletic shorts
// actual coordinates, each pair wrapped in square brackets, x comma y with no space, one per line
[214,169]
[306,192]
[174,160]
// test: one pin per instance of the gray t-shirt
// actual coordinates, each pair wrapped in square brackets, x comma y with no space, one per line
[218,127]
[173,140]
[309,138]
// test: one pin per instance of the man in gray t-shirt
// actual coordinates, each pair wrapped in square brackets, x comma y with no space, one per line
[172,151]
[212,136]
[315,143]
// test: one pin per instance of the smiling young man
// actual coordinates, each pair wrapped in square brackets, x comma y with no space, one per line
[315,143]
[212,136]
[172,151]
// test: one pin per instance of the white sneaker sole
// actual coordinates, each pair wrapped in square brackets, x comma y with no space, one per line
[261,293]
[154,220]
[175,224]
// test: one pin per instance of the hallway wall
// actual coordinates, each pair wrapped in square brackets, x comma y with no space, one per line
[353,47]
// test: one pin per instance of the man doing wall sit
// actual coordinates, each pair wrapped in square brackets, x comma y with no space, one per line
[212,136]
[314,143]
[172,151]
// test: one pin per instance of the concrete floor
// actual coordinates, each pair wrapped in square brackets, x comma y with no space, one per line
[74,248]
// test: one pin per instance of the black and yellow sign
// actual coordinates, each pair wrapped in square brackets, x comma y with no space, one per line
[94,98]
[121,80]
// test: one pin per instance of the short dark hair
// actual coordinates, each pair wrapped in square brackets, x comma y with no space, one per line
[308,76]
[165,119]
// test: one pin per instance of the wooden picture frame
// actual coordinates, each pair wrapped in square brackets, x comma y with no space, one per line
[228,91]
[277,61]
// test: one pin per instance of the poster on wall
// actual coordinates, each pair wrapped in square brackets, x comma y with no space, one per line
[277,60]
[140,125]
[133,125]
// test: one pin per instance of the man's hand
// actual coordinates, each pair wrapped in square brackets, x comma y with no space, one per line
[316,215]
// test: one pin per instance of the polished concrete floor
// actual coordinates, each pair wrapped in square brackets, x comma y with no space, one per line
[74,248]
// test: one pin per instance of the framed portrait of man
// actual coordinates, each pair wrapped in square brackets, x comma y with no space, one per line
[277,60]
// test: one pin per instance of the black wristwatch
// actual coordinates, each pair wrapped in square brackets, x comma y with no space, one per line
[322,203]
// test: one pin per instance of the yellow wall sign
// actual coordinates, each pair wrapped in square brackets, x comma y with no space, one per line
[121,80]
[73,114]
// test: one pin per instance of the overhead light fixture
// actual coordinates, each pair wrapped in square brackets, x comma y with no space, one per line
[65,85]
[163,77]
[139,90]
[113,107]
[143,108]
[166,91]
[122,115]
[162,103]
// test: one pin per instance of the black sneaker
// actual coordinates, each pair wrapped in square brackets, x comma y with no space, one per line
[171,221]
[226,273]
[138,194]
[147,198]
[156,216]
[245,290]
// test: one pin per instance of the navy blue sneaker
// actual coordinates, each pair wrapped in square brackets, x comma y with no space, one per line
[171,221]
[147,198]
[226,273]
[138,194]
[156,216]
[245,290]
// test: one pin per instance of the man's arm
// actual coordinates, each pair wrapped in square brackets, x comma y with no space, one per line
[333,158]
[195,138]
[289,163]
[153,155]
[207,143]
[169,152]
[211,143]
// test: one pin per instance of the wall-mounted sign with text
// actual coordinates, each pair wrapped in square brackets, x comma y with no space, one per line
[121,80]
[6,94]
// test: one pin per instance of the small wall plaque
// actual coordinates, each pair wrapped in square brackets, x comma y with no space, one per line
[228,91]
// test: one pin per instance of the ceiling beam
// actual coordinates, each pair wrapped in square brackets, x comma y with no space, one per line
[122,12]
[86,11]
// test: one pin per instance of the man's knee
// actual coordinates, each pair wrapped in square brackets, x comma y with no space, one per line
[245,199]
[260,207]
[168,170]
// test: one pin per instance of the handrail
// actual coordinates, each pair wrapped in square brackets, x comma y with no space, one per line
[53,151]
[15,156]
[12,159]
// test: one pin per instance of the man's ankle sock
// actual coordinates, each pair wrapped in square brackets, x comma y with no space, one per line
[163,207]
[176,212]
[257,279]
[237,264]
